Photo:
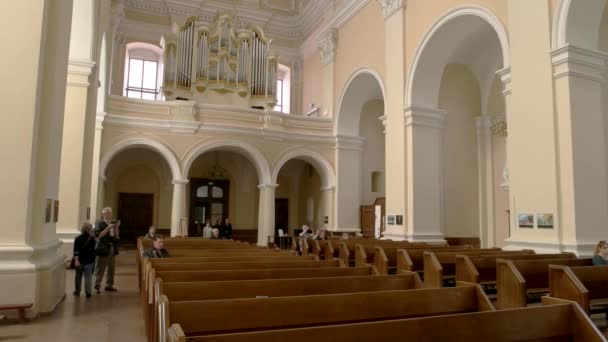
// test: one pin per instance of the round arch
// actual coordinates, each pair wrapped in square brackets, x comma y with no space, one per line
[424,77]
[322,165]
[363,85]
[141,143]
[251,153]
[577,22]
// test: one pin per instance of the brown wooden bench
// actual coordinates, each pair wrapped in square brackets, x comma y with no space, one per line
[585,285]
[221,290]
[235,315]
[482,269]
[20,309]
[414,258]
[440,266]
[517,280]
[557,322]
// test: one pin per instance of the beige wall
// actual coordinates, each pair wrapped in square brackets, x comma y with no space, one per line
[360,44]
[311,82]
[459,98]
[373,152]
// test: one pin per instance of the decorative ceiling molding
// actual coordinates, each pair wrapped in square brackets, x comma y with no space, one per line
[390,7]
[328,46]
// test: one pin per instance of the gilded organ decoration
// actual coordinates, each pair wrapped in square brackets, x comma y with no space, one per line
[209,63]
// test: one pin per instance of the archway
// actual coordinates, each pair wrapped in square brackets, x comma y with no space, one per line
[305,192]
[138,186]
[451,95]
[578,22]
[361,183]
[239,174]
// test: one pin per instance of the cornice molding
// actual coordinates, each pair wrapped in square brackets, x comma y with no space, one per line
[424,117]
[390,7]
[505,78]
[80,72]
[573,61]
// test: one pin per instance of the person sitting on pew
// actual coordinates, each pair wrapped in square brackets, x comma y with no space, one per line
[344,236]
[600,254]
[208,230]
[151,233]
[215,234]
[227,229]
[321,235]
[157,250]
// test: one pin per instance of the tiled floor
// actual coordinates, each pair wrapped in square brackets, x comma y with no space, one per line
[104,317]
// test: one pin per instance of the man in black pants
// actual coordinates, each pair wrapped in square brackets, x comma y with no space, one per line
[107,231]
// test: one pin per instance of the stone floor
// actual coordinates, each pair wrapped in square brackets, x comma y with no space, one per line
[103,317]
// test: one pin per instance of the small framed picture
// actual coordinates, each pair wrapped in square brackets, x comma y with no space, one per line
[56,211]
[399,219]
[390,220]
[544,221]
[47,212]
[525,220]
[326,219]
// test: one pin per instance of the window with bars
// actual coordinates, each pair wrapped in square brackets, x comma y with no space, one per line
[141,78]
[279,104]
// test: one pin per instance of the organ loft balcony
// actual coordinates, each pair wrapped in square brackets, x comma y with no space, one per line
[220,76]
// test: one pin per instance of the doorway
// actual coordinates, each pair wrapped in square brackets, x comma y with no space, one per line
[281,215]
[135,211]
[208,201]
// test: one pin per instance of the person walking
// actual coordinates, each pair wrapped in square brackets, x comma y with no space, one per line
[84,259]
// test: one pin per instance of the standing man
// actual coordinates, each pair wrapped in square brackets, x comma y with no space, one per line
[107,231]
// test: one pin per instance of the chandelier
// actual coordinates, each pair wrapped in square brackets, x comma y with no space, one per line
[217,172]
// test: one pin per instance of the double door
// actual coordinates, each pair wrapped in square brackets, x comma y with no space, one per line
[208,202]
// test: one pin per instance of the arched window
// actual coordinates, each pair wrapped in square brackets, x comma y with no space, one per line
[202,192]
[143,71]
[283,89]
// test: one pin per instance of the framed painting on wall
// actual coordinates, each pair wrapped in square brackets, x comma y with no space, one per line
[525,220]
[544,221]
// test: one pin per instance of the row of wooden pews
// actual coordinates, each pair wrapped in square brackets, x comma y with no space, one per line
[246,293]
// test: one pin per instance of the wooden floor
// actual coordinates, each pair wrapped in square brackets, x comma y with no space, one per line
[103,317]
[107,316]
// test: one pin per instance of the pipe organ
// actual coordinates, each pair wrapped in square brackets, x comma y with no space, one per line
[220,64]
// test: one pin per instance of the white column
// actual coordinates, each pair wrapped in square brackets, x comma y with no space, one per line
[178,208]
[347,201]
[393,120]
[266,213]
[328,46]
[327,198]
[485,173]
[96,179]
[33,99]
[424,127]
[581,124]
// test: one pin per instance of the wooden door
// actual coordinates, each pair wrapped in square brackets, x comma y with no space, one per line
[368,215]
[281,215]
[135,212]
[209,200]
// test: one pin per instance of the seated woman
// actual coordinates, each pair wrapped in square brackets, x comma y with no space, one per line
[600,254]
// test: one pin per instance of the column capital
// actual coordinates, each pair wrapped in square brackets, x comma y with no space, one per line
[390,7]
[267,186]
[181,181]
[505,78]
[328,45]
[424,117]
[383,120]
[80,72]
[574,61]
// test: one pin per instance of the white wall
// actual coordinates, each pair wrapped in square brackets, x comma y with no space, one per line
[370,128]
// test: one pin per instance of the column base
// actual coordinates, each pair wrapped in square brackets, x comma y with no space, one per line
[32,274]
[581,249]
[67,239]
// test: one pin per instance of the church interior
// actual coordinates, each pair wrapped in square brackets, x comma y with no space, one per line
[373,169]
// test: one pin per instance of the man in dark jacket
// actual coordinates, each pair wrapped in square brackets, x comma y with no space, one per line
[157,250]
[107,233]
[84,259]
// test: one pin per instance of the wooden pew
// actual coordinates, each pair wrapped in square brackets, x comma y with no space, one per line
[220,290]
[482,269]
[557,322]
[280,312]
[414,258]
[516,279]
[585,285]
[439,265]
[350,253]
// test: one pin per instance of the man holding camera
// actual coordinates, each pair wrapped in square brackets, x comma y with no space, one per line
[107,234]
